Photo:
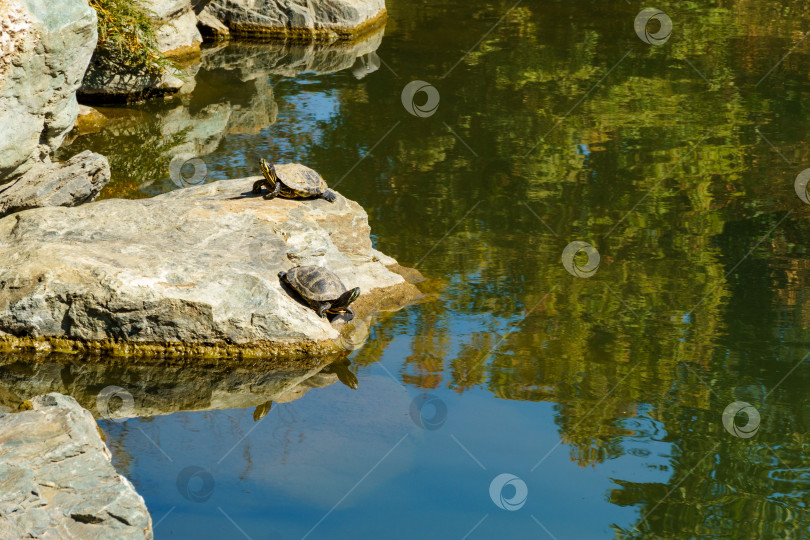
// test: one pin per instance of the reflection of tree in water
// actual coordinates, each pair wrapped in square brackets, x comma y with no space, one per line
[142,152]
[673,321]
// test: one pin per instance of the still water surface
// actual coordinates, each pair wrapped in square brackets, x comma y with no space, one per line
[603,395]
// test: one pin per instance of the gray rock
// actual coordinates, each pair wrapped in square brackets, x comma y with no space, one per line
[178,33]
[74,182]
[193,271]
[43,55]
[212,28]
[56,479]
[319,19]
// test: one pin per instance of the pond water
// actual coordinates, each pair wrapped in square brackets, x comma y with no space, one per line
[599,390]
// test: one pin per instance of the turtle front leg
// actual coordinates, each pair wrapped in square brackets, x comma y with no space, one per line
[349,314]
[257,186]
[273,194]
[323,308]
[329,195]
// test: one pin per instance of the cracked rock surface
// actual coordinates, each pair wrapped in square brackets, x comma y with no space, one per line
[56,479]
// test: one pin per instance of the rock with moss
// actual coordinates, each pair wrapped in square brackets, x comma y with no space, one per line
[44,52]
[176,32]
[135,39]
[194,272]
[312,19]
[56,479]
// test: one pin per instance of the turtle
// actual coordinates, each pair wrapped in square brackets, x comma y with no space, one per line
[292,181]
[321,289]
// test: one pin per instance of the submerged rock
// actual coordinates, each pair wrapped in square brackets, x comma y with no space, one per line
[193,271]
[74,182]
[319,19]
[43,55]
[56,479]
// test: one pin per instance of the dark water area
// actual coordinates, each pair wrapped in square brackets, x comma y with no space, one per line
[601,389]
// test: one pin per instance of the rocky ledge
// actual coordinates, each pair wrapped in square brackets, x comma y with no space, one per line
[311,19]
[56,479]
[191,272]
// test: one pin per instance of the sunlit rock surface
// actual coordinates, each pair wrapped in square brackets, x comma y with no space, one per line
[193,271]
[56,479]
[177,32]
[321,19]
[43,55]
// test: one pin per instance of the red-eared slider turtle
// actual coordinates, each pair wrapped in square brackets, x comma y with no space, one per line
[292,181]
[321,289]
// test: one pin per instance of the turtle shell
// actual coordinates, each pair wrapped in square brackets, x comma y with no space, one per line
[315,283]
[300,179]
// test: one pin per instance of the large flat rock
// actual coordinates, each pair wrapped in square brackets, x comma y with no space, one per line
[56,479]
[193,272]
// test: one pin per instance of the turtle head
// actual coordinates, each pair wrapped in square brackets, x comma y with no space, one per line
[268,172]
[346,298]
